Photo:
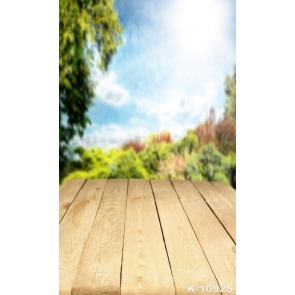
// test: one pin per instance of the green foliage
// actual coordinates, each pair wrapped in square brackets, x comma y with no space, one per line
[187,144]
[192,170]
[95,163]
[126,164]
[213,165]
[231,169]
[157,161]
[230,91]
[85,27]
[153,154]
[94,158]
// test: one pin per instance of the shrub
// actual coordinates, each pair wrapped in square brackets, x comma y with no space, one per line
[187,144]
[126,164]
[213,165]
[192,170]
[153,154]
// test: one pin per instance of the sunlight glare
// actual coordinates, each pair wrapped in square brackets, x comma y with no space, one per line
[197,24]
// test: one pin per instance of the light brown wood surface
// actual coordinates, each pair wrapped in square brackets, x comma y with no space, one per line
[67,193]
[223,209]
[188,262]
[145,266]
[74,229]
[227,191]
[100,266]
[215,241]
[141,237]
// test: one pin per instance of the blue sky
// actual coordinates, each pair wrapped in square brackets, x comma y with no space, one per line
[167,74]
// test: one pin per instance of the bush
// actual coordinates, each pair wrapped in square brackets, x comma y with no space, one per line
[153,154]
[192,170]
[187,144]
[126,164]
[213,165]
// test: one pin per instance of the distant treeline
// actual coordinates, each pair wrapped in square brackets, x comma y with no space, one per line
[206,153]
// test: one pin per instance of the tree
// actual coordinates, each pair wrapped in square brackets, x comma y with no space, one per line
[86,27]
[230,91]
[225,132]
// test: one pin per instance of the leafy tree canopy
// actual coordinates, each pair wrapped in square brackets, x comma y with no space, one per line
[86,27]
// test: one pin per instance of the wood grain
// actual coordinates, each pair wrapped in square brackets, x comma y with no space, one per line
[145,268]
[224,210]
[216,243]
[188,262]
[227,191]
[67,193]
[100,266]
[74,229]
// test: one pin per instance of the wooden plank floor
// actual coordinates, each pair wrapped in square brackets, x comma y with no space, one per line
[140,237]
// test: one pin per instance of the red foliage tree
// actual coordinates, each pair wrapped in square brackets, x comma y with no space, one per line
[162,137]
[225,132]
[206,134]
[135,144]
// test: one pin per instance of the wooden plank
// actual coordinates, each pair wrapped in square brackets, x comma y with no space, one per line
[74,229]
[188,262]
[67,193]
[227,191]
[100,266]
[145,268]
[224,210]
[216,243]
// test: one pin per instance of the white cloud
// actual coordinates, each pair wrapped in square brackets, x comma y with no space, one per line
[219,114]
[109,90]
[177,104]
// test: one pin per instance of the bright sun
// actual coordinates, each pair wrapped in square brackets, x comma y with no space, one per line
[197,24]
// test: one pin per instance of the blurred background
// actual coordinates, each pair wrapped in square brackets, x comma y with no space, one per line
[147,89]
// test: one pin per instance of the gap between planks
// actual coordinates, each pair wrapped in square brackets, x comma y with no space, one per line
[224,210]
[67,194]
[145,268]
